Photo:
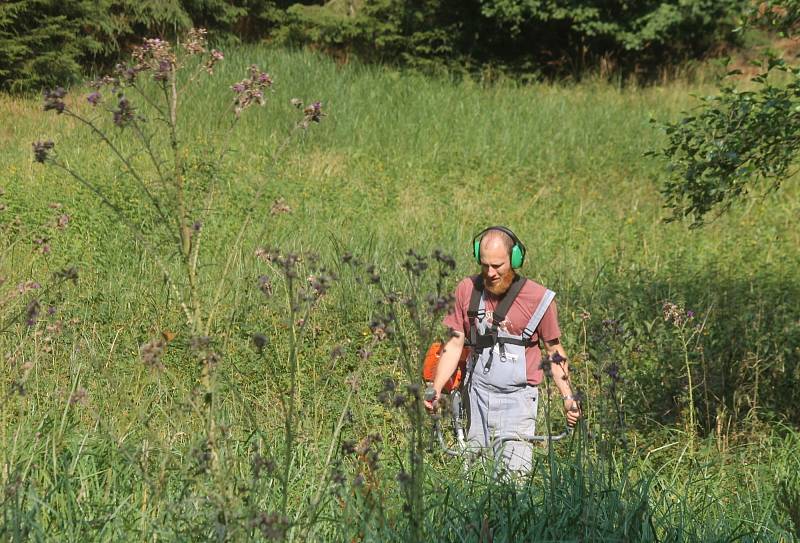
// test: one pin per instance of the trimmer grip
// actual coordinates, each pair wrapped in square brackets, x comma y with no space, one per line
[430,394]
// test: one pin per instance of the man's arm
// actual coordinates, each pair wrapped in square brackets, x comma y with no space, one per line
[560,371]
[448,363]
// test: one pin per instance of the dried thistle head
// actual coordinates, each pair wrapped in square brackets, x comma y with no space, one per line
[195,43]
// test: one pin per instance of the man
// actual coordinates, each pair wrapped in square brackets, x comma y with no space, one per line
[503,317]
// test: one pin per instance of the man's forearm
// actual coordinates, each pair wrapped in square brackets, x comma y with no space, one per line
[561,377]
[448,362]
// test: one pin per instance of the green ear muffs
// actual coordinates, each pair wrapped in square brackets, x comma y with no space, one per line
[517,252]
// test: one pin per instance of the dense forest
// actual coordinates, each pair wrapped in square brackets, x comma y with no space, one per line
[44,42]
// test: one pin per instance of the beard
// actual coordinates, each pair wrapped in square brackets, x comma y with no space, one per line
[501,286]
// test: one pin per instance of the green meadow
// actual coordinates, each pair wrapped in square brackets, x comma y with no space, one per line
[691,425]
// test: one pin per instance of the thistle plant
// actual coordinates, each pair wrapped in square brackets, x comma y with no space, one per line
[687,330]
[139,106]
[408,318]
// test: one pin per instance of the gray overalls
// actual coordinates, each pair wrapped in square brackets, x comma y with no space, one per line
[499,400]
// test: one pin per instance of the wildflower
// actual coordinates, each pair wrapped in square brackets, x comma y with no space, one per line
[546,366]
[321,283]
[126,73]
[32,312]
[279,206]
[265,285]
[613,372]
[364,354]
[195,41]
[272,525]
[312,113]
[353,382]
[260,463]
[403,477]
[93,98]
[348,446]
[152,352]
[251,90]
[41,150]
[260,341]
[163,70]
[70,274]
[54,99]
[215,57]
[22,288]
[199,343]
[79,396]
[124,112]
[337,352]
[62,221]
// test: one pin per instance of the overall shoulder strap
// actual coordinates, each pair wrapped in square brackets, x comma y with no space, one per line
[511,294]
[475,309]
[537,316]
[475,299]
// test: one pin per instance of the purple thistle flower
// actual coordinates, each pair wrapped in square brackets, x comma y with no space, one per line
[41,149]
[32,312]
[312,113]
[217,55]
[163,70]
[54,99]
[93,98]
[238,88]
[690,314]
[124,112]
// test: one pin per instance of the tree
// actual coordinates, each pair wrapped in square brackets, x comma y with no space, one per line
[738,141]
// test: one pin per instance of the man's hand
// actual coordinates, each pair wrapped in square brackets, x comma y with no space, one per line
[431,400]
[572,411]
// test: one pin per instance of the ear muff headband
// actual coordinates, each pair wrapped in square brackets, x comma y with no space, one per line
[517,252]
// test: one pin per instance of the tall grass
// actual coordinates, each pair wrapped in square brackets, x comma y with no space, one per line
[99,447]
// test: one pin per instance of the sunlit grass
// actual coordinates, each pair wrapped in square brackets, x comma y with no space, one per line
[399,162]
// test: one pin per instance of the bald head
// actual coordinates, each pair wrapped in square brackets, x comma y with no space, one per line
[496,238]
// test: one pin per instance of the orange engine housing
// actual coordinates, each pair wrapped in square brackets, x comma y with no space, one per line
[432,361]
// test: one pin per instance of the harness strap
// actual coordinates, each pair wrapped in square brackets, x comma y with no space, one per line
[508,299]
[475,309]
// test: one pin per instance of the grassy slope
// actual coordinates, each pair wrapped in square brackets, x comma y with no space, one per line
[400,162]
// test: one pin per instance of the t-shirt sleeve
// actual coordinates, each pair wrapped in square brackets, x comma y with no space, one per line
[455,319]
[548,329]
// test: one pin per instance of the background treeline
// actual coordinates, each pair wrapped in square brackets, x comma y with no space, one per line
[45,42]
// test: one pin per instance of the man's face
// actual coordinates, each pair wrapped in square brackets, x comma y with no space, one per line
[496,268]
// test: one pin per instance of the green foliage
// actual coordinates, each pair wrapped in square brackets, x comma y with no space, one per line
[557,37]
[730,143]
[44,43]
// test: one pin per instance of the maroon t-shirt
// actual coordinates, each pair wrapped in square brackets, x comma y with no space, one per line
[517,319]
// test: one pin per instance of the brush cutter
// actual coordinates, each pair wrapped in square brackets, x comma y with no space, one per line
[451,394]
